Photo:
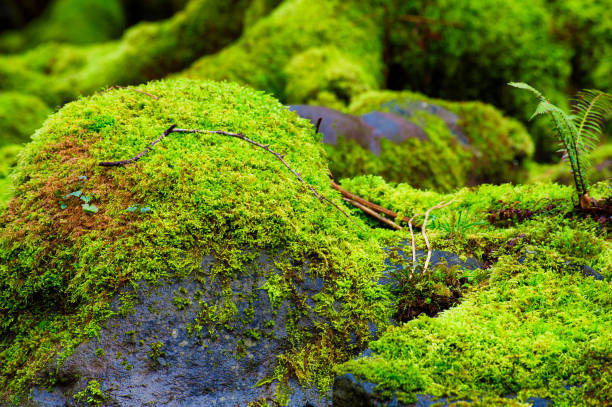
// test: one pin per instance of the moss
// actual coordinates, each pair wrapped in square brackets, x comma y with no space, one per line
[581,25]
[292,36]
[8,159]
[20,116]
[497,145]
[531,329]
[60,73]
[207,194]
[69,21]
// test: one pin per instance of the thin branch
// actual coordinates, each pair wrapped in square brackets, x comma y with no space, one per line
[139,155]
[173,129]
[135,90]
[369,204]
[374,214]
[429,251]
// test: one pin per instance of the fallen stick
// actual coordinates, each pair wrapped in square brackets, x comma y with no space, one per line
[373,214]
[368,204]
[132,89]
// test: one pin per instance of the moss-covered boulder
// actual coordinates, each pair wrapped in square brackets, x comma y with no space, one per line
[20,116]
[429,143]
[75,234]
[59,73]
[537,322]
[69,21]
[305,51]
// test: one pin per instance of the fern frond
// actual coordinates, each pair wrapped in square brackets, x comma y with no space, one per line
[590,110]
[523,85]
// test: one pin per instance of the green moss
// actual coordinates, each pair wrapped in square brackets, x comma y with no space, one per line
[300,35]
[8,159]
[531,329]
[497,146]
[69,21]
[60,73]
[20,116]
[207,194]
[465,56]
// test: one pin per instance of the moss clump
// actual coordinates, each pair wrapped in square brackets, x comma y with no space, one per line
[490,149]
[206,194]
[465,56]
[69,21]
[533,327]
[8,159]
[60,73]
[20,116]
[300,34]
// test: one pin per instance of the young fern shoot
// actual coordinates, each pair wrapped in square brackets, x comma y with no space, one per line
[578,132]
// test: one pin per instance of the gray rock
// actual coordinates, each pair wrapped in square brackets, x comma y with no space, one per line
[153,355]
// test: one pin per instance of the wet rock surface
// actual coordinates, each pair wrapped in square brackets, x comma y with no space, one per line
[154,355]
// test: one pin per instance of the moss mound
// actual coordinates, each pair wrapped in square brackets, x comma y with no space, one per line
[480,146]
[60,73]
[71,237]
[536,326]
[69,21]
[20,116]
[341,39]
[8,159]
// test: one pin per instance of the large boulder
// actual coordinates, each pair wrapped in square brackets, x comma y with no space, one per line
[205,270]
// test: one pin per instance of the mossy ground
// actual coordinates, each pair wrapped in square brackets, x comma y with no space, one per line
[61,264]
[528,329]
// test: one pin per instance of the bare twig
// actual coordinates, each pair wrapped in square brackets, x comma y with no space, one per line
[141,154]
[135,90]
[369,204]
[173,129]
[374,214]
[429,251]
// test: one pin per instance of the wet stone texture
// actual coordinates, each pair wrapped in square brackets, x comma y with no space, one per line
[149,358]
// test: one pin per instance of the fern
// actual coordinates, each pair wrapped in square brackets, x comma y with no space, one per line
[578,133]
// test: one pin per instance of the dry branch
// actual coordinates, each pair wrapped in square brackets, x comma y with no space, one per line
[139,155]
[374,214]
[368,204]
[438,206]
[173,129]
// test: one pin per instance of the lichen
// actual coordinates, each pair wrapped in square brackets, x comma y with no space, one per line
[60,266]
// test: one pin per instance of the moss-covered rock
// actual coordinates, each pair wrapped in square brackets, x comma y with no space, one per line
[20,116]
[457,52]
[60,73]
[75,233]
[305,51]
[69,21]
[472,143]
[535,326]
